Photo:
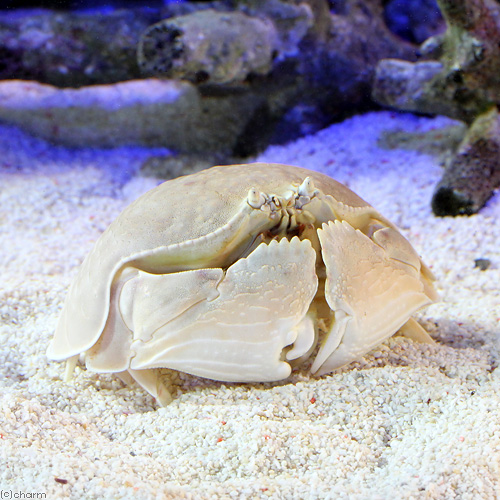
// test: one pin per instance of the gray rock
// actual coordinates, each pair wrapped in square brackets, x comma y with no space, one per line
[482,263]
[467,82]
[442,142]
[472,175]
[322,64]
[337,74]
[400,84]
[419,87]
[208,46]
[165,113]
[464,84]
[293,21]
[71,49]
[284,65]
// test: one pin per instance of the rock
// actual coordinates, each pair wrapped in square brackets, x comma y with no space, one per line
[252,71]
[403,85]
[471,53]
[420,87]
[74,4]
[208,46]
[164,113]
[322,64]
[72,49]
[334,71]
[294,21]
[441,142]
[482,264]
[473,174]
[465,84]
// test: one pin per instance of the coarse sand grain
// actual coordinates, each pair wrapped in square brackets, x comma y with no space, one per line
[409,421]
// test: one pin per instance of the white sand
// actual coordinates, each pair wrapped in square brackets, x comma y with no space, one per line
[412,422]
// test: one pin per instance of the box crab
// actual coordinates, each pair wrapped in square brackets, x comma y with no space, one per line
[235,274]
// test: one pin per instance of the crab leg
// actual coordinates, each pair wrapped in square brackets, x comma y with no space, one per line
[151,382]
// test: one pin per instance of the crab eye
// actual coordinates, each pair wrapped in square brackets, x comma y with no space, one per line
[306,188]
[255,198]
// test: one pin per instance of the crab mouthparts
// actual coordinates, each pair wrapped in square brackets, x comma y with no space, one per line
[284,208]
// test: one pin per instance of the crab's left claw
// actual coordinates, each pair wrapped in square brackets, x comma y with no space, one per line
[373,289]
[241,335]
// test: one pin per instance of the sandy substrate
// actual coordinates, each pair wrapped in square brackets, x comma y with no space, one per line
[411,421]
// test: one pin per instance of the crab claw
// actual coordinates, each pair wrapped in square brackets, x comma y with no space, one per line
[242,334]
[372,292]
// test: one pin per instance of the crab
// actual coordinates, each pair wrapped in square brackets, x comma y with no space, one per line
[238,274]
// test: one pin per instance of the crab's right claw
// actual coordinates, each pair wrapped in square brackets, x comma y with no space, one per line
[372,291]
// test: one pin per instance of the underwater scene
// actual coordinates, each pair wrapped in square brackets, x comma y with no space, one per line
[250,249]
